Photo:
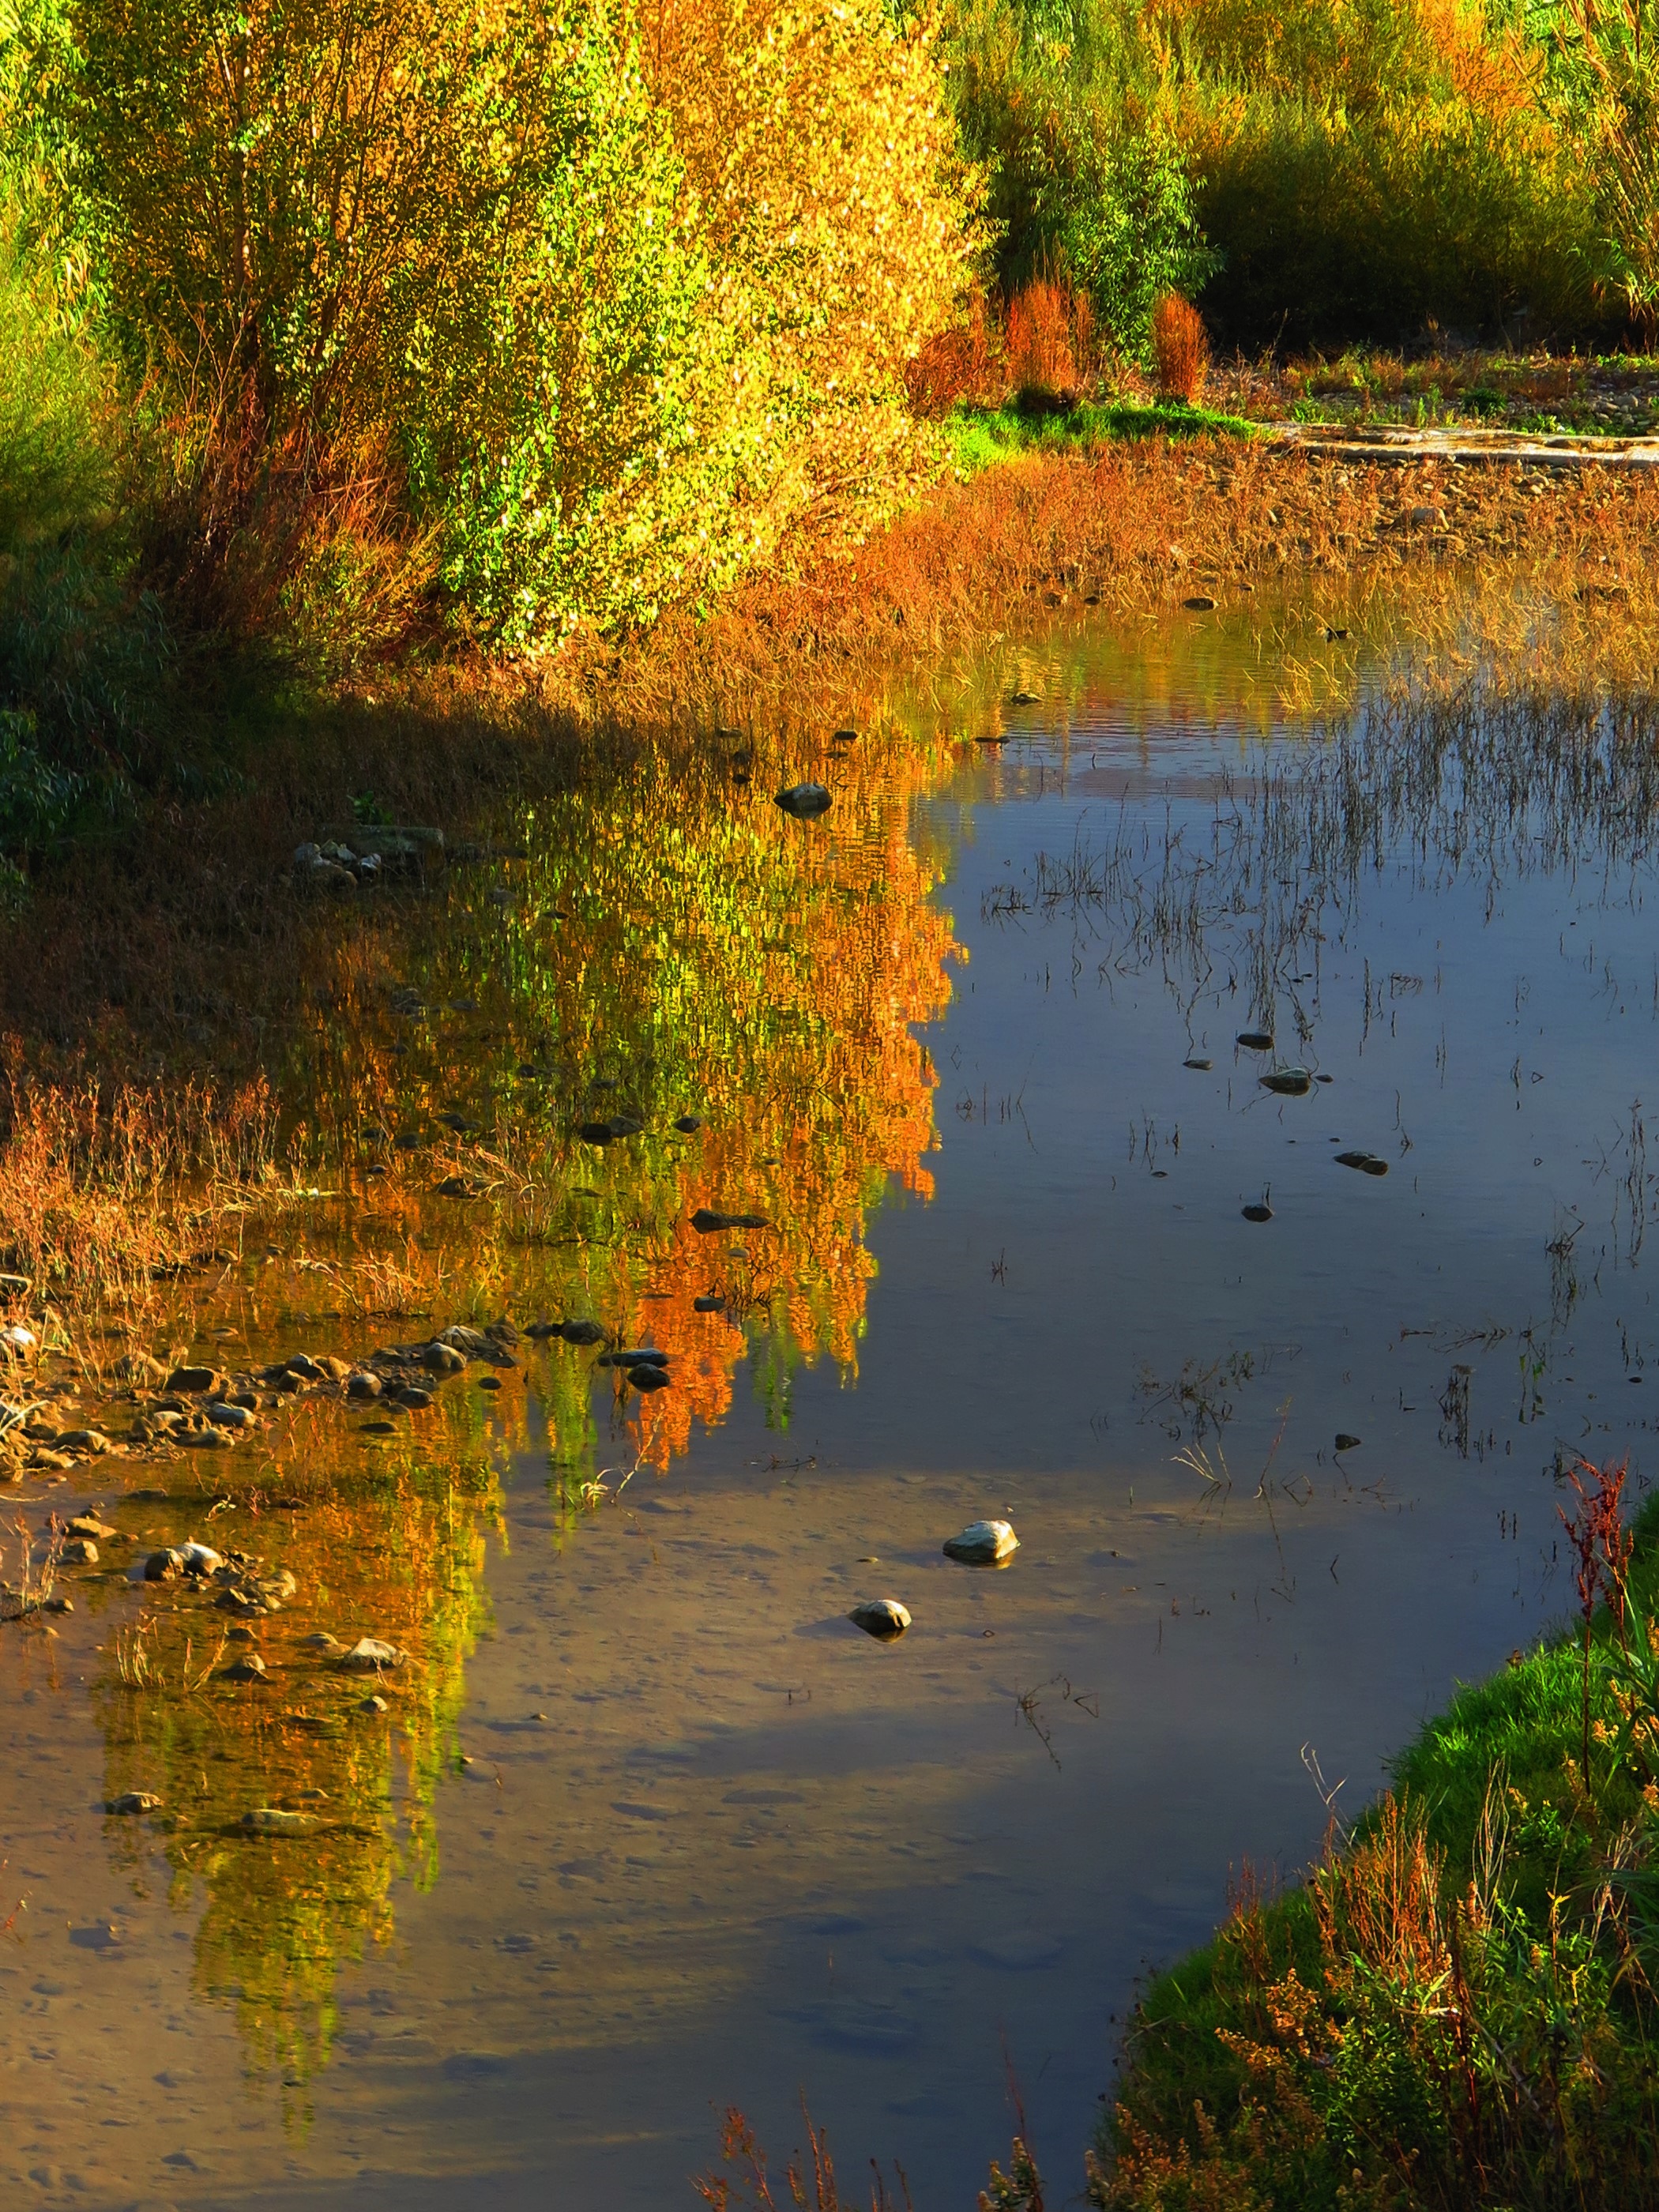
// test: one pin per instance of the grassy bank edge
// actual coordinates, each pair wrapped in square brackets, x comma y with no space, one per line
[979,438]
[1516,1732]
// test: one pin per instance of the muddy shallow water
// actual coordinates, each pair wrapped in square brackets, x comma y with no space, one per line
[648,1827]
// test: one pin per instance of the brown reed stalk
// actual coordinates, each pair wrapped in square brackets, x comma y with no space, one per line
[1181,348]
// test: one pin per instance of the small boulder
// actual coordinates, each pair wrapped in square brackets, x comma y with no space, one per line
[199,1559]
[251,1668]
[132,1800]
[441,1359]
[79,1551]
[1255,1040]
[1366,1163]
[365,1383]
[688,1124]
[163,1566]
[647,1376]
[580,1333]
[982,1544]
[224,1415]
[88,1524]
[882,1616]
[1288,1082]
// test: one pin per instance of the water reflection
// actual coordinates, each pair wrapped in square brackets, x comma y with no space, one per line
[351,1760]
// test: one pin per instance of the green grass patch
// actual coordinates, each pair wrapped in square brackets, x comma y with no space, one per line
[980,437]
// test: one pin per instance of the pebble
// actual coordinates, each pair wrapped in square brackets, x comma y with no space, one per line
[882,1616]
[1257,1213]
[1345,1442]
[224,1415]
[1288,1082]
[195,1381]
[1366,1163]
[272,1820]
[802,799]
[132,1800]
[365,1383]
[1202,1065]
[1199,604]
[441,1359]
[80,1552]
[688,1124]
[88,1524]
[983,1543]
[1255,1040]
[250,1669]
[707,1219]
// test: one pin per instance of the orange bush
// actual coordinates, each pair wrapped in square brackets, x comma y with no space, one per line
[1050,339]
[1181,348]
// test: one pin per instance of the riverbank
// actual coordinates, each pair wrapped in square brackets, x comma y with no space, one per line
[1455,2007]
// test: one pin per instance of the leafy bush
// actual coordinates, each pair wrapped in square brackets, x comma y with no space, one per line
[617,327]
[1064,106]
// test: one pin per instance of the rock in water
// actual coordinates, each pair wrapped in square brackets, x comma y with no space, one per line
[80,1552]
[163,1567]
[1202,1065]
[1367,1163]
[708,1218]
[882,1616]
[270,1820]
[982,1544]
[580,1333]
[195,1379]
[364,1385]
[1199,604]
[1345,1442]
[1257,1213]
[688,1124]
[250,1670]
[1288,1082]
[646,1376]
[1255,1040]
[369,1655]
[802,799]
[132,1800]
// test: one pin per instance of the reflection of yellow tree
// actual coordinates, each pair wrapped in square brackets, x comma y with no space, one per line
[673,945]
[282,1913]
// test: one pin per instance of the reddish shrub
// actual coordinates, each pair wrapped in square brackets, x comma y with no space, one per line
[1181,347]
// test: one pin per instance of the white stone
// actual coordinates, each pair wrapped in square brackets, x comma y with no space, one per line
[881,1616]
[983,1544]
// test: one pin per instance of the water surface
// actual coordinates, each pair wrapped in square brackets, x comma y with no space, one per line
[648,1827]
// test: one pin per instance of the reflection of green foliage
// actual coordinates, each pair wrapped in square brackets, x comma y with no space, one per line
[282,1914]
[711,957]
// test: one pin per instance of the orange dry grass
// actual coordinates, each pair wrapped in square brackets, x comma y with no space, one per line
[1050,338]
[93,1192]
[964,363]
[1181,348]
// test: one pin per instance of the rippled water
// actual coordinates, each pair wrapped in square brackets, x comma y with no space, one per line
[648,1827]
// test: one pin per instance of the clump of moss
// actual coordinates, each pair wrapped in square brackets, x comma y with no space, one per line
[1457,2007]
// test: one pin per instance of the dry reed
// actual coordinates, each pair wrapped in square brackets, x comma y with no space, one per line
[1181,348]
